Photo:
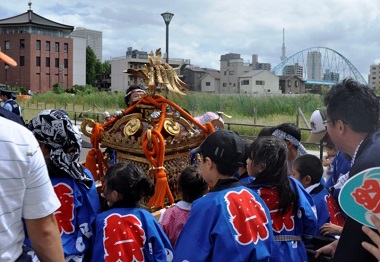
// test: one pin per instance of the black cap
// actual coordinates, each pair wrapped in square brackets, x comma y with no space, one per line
[6,92]
[244,156]
[222,146]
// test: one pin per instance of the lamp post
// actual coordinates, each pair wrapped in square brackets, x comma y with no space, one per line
[6,67]
[167,18]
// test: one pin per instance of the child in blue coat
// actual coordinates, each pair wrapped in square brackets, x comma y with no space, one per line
[231,223]
[291,207]
[127,232]
[308,170]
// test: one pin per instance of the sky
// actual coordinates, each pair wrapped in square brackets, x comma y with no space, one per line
[203,30]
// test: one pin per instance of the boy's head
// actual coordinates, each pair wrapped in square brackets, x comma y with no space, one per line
[307,169]
[191,184]
[225,149]
[244,157]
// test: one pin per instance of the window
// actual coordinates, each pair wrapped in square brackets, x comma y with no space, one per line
[260,82]
[66,63]
[297,83]
[47,61]
[56,62]
[7,45]
[199,75]
[231,73]
[289,83]
[56,47]
[38,44]
[38,61]
[245,82]
[22,44]
[22,60]
[224,85]
[208,84]
[65,47]
[47,46]
[225,72]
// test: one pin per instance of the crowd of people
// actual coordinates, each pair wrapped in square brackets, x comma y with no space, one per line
[268,200]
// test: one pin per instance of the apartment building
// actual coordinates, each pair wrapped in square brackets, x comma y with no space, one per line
[232,67]
[314,65]
[290,70]
[374,76]
[94,39]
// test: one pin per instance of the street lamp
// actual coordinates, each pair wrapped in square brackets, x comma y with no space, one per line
[167,18]
[6,67]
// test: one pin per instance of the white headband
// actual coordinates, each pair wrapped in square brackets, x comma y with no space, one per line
[134,91]
[281,134]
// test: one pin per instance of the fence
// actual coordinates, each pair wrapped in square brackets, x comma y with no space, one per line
[79,112]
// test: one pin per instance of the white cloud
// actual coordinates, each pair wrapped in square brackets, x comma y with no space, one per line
[203,30]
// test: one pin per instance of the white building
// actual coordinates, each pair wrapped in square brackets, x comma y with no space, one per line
[79,60]
[210,82]
[94,40]
[232,67]
[259,82]
[121,81]
[134,60]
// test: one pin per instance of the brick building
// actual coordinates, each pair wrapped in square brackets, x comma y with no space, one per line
[42,49]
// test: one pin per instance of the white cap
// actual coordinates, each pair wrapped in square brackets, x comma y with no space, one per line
[318,128]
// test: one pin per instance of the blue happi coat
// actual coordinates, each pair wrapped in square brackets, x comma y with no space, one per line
[78,205]
[231,223]
[290,229]
[129,234]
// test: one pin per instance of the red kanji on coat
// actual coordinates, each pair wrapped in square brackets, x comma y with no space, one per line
[124,238]
[279,221]
[247,217]
[65,214]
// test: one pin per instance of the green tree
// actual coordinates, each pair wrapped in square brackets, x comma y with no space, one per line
[92,64]
[106,67]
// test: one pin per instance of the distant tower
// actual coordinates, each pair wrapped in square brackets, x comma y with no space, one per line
[314,65]
[283,56]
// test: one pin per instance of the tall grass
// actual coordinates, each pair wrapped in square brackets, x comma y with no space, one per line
[101,99]
[198,103]
[271,110]
[243,105]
